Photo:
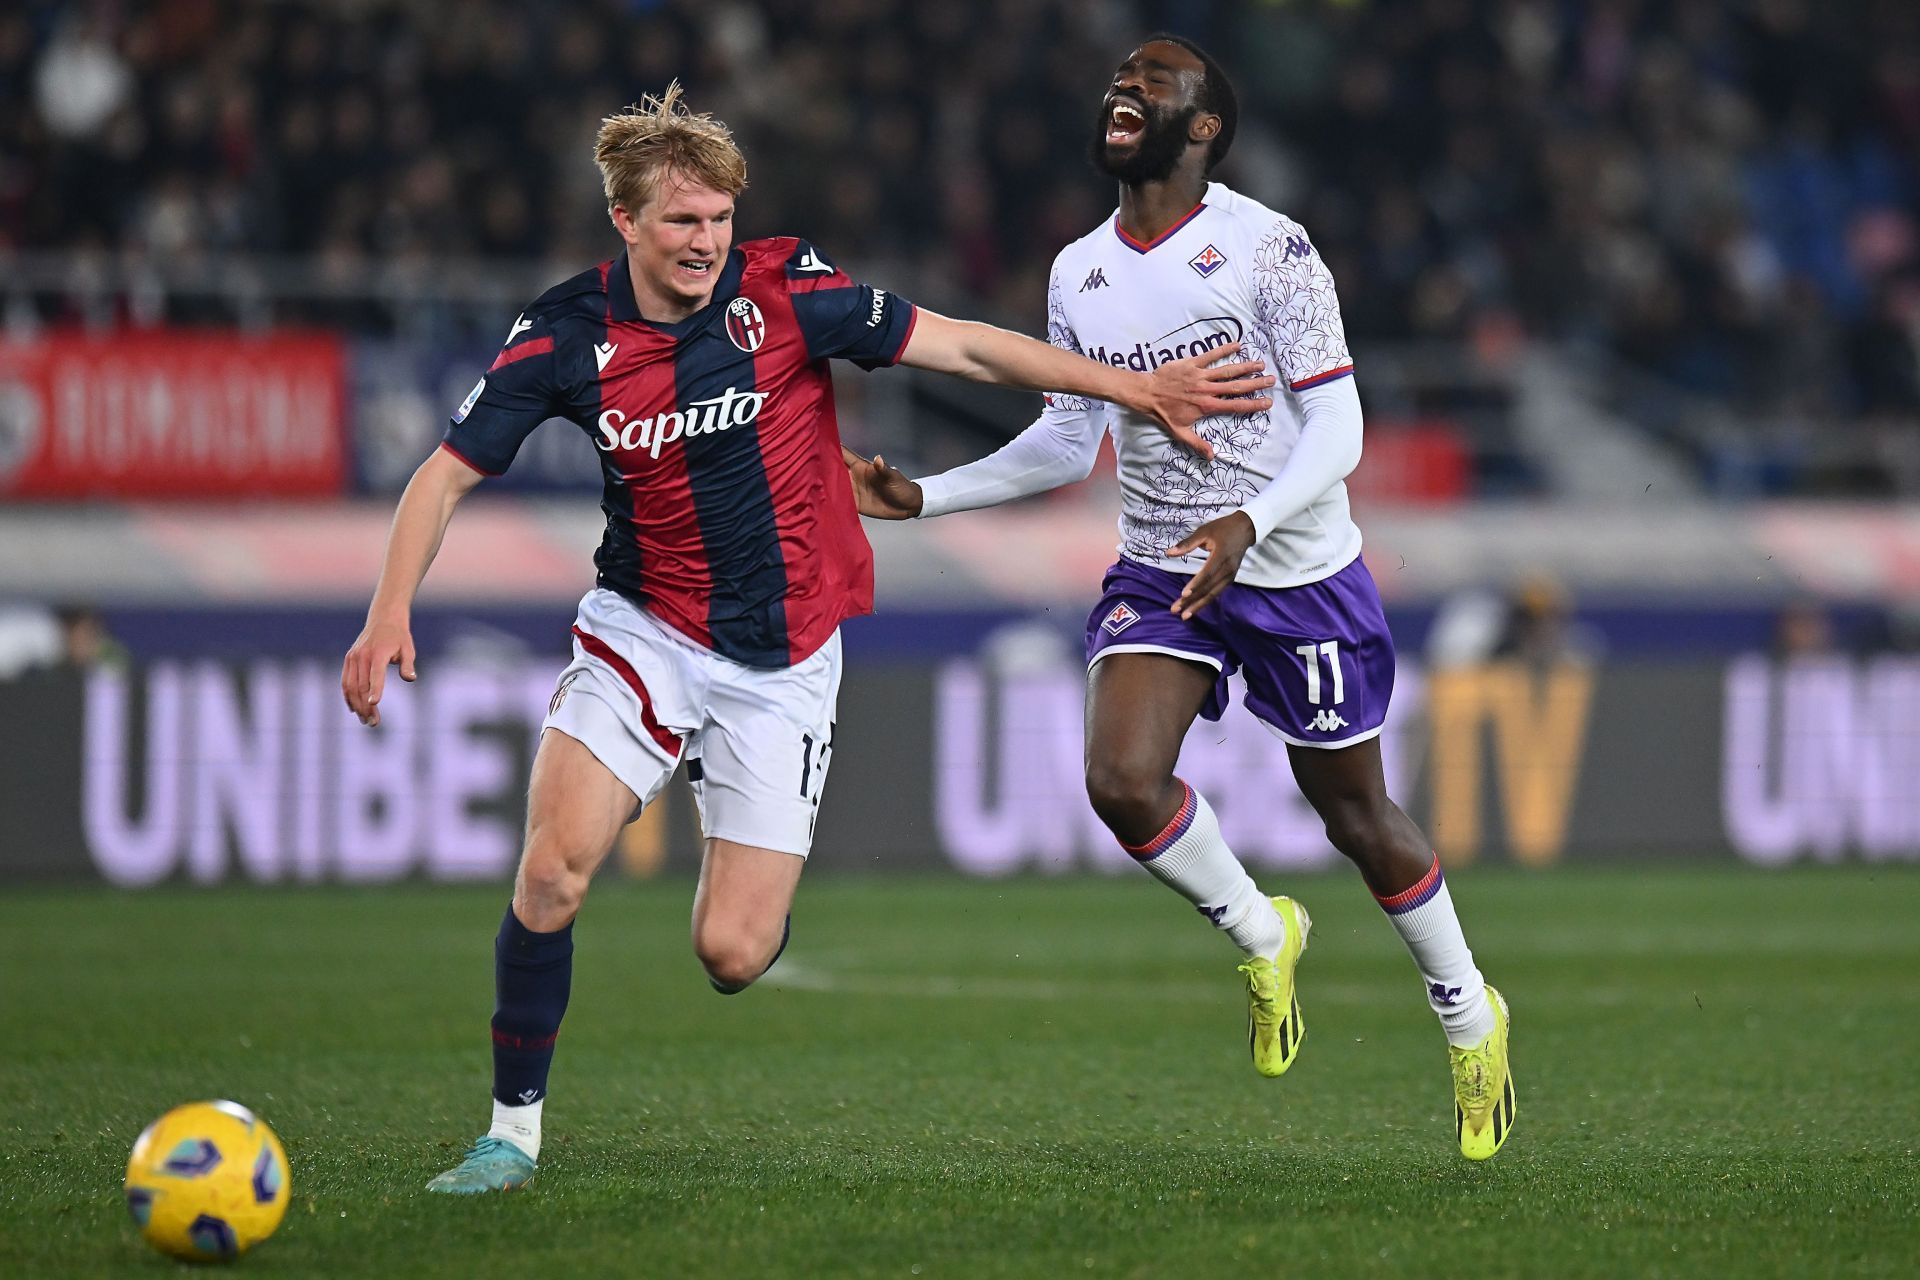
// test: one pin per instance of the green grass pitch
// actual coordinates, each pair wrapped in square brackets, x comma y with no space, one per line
[1719,1075]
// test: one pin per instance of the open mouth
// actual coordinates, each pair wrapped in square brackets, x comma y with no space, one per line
[1125,120]
[698,268]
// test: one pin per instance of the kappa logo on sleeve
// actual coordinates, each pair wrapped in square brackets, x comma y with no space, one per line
[1119,619]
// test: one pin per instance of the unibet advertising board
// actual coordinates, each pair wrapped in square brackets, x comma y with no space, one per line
[211,771]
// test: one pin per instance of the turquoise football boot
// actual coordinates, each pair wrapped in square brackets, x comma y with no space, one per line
[493,1164]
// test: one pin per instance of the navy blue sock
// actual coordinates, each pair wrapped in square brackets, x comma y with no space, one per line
[532,975]
[786,936]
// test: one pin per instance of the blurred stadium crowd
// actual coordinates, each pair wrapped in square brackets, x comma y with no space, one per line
[1718,193]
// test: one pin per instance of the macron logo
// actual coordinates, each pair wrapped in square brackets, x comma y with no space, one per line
[602,353]
[520,325]
[812,262]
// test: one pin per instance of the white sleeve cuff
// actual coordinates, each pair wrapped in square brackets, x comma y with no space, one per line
[936,496]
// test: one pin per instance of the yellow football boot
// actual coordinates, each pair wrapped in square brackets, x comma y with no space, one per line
[1274,1028]
[1483,1106]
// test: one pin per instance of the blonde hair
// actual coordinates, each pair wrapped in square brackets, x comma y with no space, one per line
[639,145]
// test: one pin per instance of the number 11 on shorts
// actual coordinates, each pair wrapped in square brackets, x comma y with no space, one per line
[1312,653]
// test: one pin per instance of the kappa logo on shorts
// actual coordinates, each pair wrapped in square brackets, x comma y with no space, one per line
[1326,722]
[560,694]
[1119,619]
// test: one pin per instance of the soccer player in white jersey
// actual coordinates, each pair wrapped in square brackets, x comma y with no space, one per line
[1236,554]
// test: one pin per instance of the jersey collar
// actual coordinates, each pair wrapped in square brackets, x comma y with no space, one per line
[1139,246]
[621,308]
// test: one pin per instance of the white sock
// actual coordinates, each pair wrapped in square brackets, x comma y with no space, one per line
[1423,915]
[1190,857]
[518,1125]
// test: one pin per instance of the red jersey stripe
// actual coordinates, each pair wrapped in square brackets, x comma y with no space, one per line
[1319,378]
[817,521]
[512,355]
[669,742]
[663,563]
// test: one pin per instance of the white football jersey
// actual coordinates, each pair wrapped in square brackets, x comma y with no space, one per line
[1232,270]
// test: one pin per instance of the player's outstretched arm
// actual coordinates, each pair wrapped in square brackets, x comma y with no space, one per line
[881,492]
[1176,395]
[419,523]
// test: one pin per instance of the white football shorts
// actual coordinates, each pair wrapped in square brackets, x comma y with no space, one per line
[757,743]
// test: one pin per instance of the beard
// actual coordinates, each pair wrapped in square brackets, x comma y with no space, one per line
[1163,140]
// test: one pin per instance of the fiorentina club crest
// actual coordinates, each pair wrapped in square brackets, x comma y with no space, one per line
[1119,619]
[745,325]
[1208,261]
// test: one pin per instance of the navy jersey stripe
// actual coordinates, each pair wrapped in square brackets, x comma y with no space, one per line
[746,613]
[617,560]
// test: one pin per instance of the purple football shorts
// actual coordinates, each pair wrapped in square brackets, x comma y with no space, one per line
[1318,658]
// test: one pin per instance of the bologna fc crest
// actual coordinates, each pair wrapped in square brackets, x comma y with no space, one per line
[745,325]
[560,694]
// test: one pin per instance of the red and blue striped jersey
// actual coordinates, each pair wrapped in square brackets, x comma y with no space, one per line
[729,513]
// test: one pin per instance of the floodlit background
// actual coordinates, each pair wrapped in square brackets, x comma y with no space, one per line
[1633,290]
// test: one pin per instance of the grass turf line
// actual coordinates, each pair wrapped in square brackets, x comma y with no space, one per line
[1717,1074]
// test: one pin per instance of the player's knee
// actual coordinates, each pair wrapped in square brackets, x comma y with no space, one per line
[1123,793]
[550,888]
[733,958]
[1358,828]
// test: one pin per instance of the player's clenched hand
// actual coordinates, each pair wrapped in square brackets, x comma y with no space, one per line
[1225,541]
[363,677]
[1185,391]
[881,491]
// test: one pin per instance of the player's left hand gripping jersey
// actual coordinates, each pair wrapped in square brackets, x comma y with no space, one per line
[729,516]
[1232,271]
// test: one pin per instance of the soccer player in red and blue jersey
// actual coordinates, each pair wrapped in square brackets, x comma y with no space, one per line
[733,552]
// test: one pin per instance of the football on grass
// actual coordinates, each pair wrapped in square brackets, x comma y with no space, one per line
[207,1182]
